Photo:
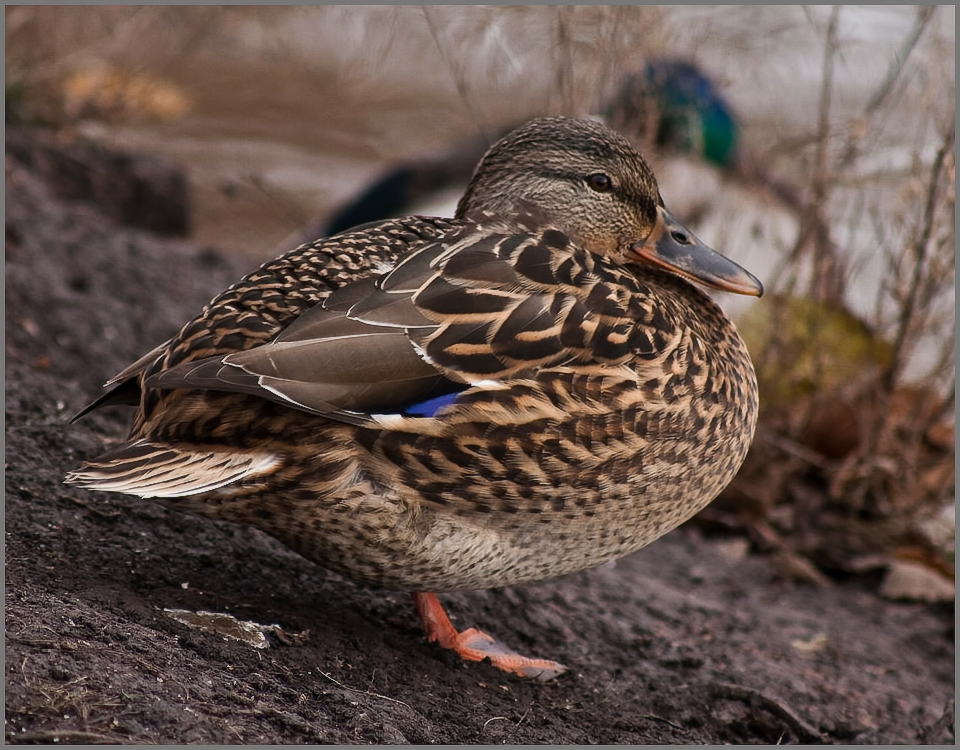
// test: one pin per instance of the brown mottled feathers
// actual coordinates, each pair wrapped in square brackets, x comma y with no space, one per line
[254,310]
[481,305]
[439,404]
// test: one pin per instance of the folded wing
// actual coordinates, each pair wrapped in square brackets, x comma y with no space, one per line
[471,311]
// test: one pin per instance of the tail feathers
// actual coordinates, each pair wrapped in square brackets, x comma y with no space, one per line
[150,470]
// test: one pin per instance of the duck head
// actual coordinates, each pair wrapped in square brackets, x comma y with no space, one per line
[612,202]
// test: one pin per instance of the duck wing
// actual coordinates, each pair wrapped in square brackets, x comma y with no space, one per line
[253,311]
[472,310]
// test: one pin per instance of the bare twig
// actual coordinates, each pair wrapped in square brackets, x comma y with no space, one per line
[828,271]
[919,250]
[564,67]
[339,684]
[669,723]
[525,714]
[804,732]
[791,447]
[924,14]
[280,198]
[852,148]
[457,75]
[121,33]
[494,718]
[826,279]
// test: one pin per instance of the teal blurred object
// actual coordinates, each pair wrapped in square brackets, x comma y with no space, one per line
[671,105]
[677,107]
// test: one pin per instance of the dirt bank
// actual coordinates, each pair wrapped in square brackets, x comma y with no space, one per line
[688,641]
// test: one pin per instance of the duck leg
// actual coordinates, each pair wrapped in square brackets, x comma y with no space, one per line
[475,645]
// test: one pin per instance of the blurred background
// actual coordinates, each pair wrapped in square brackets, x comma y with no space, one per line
[814,145]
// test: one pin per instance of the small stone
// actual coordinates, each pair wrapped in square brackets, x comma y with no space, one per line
[916,582]
[732,550]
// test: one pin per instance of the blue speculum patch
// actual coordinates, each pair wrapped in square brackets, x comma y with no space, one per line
[431,406]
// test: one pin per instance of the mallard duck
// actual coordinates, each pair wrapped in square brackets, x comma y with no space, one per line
[529,389]
[671,105]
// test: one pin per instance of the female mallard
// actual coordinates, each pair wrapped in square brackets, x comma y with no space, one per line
[425,404]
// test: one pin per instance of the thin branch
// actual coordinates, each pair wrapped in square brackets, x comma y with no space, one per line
[920,251]
[828,271]
[852,148]
[805,732]
[564,68]
[824,266]
[924,14]
[456,74]
[362,692]
[120,34]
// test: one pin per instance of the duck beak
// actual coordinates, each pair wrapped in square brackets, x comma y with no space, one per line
[674,247]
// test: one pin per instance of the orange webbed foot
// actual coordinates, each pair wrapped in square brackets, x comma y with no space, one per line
[475,645]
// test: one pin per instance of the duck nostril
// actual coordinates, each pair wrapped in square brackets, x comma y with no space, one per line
[681,238]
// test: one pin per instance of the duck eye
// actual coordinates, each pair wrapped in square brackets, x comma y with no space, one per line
[600,182]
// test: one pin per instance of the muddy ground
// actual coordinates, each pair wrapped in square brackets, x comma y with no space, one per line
[689,641]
